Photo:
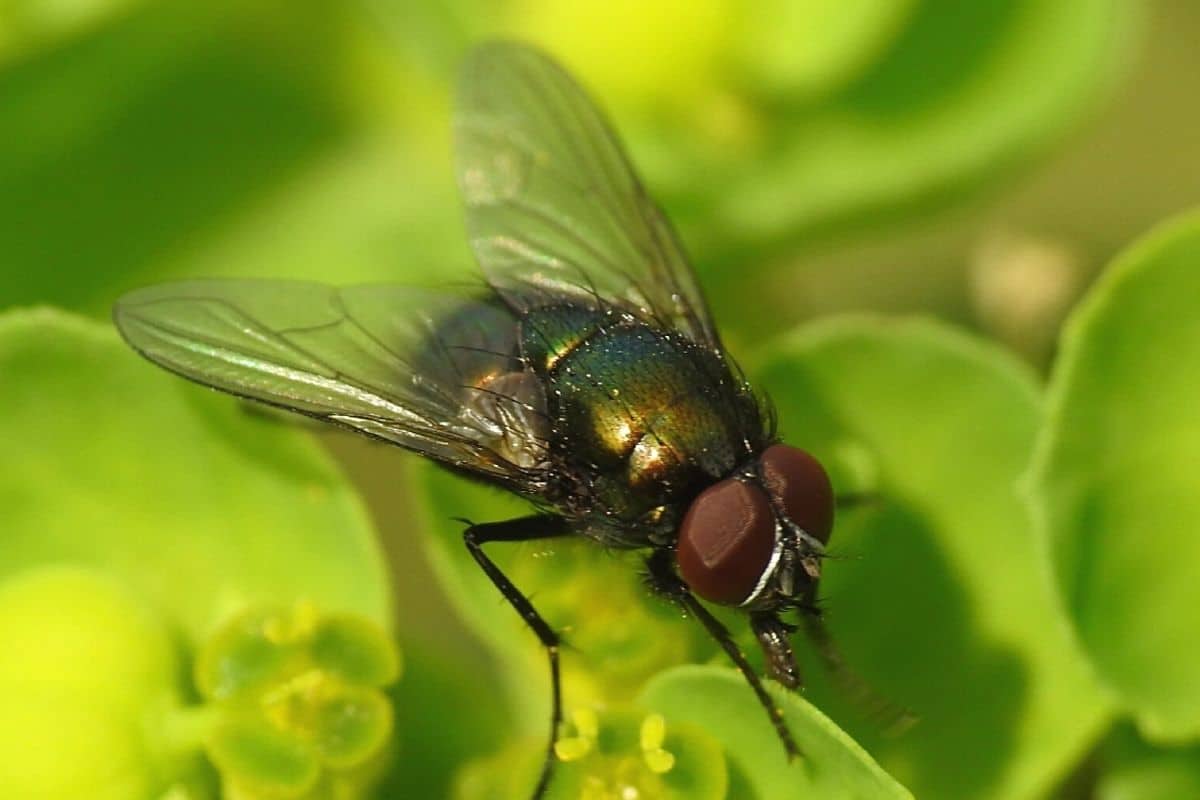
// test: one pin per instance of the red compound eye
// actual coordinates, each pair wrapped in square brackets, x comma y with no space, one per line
[726,541]
[800,484]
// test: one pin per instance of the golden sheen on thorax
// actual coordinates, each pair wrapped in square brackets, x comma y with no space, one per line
[628,393]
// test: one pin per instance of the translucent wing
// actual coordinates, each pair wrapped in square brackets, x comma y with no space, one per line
[431,371]
[551,199]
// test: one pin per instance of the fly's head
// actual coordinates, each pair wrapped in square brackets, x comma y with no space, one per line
[756,539]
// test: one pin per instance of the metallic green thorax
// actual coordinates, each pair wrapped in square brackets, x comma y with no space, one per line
[644,418]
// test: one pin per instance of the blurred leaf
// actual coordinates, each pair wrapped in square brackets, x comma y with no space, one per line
[1134,770]
[698,767]
[936,593]
[449,712]
[154,130]
[81,631]
[961,92]
[907,104]
[88,680]
[633,53]
[718,700]
[190,138]
[373,210]
[1114,480]
[910,101]
[801,48]
[200,507]
[507,775]
[42,728]
[29,24]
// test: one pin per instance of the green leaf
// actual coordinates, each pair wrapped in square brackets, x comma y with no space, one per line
[43,728]
[699,770]
[449,711]
[960,92]
[86,673]
[264,141]
[840,113]
[1114,480]
[154,130]
[509,774]
[936,592]
[764,127]
[177,491]
[1134,770]
[718,700]
[375,209]
[80,631]
[31,24]
[840,40]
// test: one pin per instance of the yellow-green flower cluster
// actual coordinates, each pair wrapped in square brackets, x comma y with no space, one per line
[608,754]
[296,700]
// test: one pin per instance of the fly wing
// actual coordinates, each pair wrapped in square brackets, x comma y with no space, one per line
[432,371]
[552,202]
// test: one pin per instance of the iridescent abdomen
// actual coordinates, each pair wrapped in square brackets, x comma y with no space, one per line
[643,417]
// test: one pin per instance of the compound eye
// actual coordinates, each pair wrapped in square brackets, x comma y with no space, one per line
[726,541]
[802,487]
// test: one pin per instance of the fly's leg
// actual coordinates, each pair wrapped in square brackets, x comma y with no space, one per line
[774,636]
[540,526]
[664,581]
[894,718]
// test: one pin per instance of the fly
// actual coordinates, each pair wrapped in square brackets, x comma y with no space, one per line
[586,375]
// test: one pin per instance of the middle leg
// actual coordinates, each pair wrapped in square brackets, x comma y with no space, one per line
[540,526]
[665,582]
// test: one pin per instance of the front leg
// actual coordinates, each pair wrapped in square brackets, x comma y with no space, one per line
[664,581]
[539,526]
[775,637]
[894,718]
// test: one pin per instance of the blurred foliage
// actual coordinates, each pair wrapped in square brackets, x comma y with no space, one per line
[803,116]
[833,765]
[299,140]
[1114,484]
[173,511]
[88,686]
[943,576]
[177,491]
[1138,771]
[141,141]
